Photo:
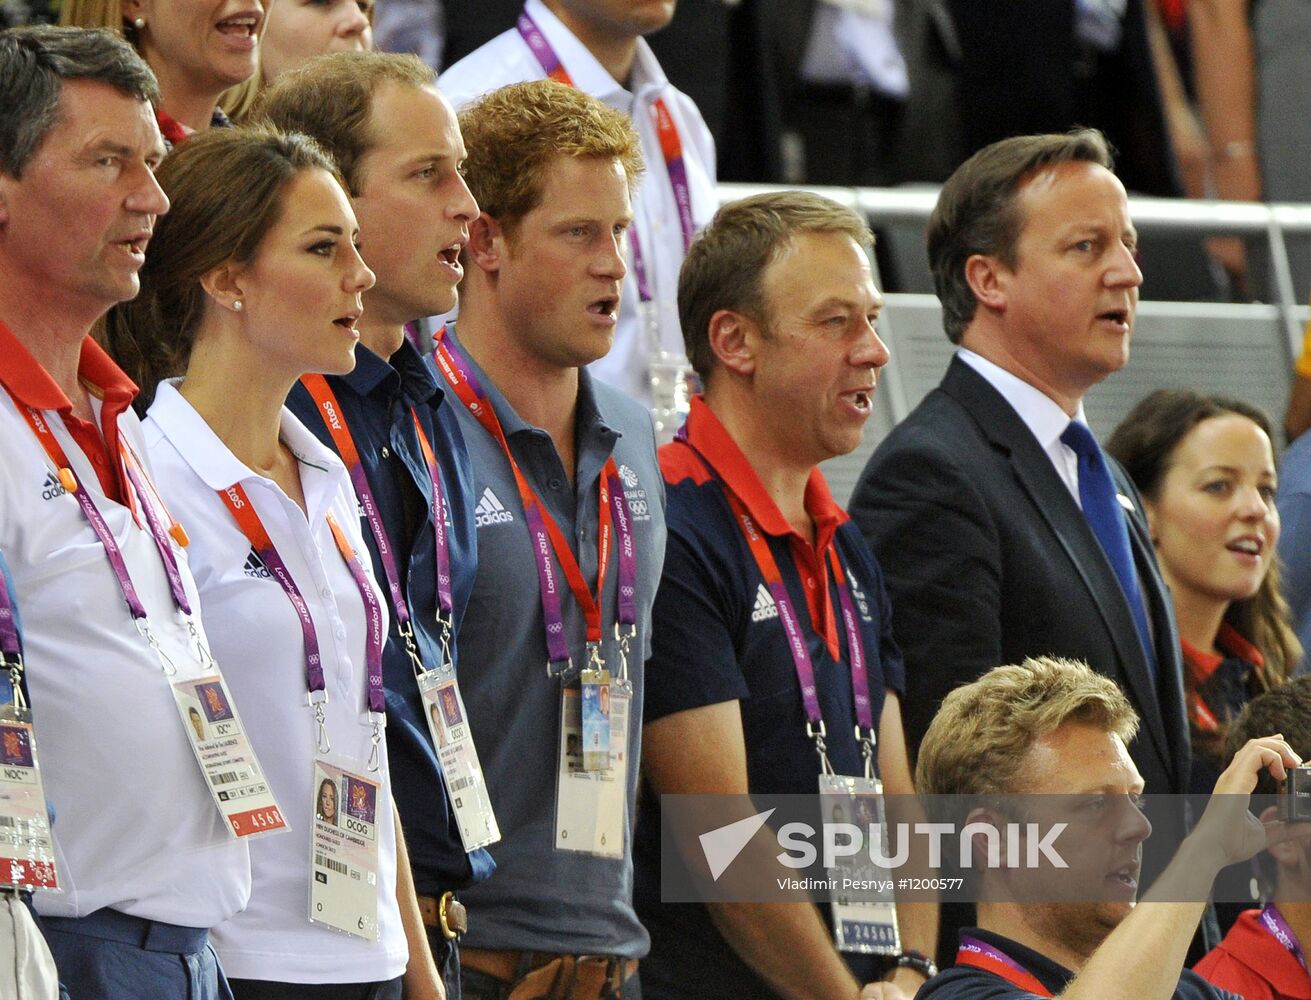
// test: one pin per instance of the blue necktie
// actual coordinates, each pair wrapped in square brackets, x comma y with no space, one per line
[1101,508]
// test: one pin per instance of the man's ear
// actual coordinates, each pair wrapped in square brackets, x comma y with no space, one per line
[223,285]
[986,276]
[988,850]
[486,243]
[733,339]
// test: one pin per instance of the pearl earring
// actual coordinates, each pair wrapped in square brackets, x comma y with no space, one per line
[138,23]
[236,306]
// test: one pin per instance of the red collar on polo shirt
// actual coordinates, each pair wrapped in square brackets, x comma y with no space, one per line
[170,128]
[31,385]
[1203,663]
[1251,945]
[708,436]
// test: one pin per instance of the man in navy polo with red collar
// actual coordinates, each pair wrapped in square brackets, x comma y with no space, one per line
[770,602]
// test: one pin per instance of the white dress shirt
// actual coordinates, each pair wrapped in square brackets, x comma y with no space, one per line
[508,59]
[1040,413]
[135,826]
[257,638]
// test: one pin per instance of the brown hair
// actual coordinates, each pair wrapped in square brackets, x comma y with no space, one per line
[513,134]
[1145,443]
[726,263]
[226,187]
[331,99]
[977,213]
[978,740]
[94,14]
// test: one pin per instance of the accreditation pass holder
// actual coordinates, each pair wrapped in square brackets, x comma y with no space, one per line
[862,925]
[27,851]
[227,760]
[590,804]
[344,856]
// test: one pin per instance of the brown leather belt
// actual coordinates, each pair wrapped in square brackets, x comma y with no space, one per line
[445,913]
[551,976]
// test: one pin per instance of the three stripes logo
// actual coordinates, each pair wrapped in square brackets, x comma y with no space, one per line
[765,606]
[52,487]
[255,567]
[490,510]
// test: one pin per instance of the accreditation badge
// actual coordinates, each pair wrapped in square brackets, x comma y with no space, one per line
[596,719]
[27,851]
[865,914]
[235,779]
[466,789]
[591,806]
[344,851]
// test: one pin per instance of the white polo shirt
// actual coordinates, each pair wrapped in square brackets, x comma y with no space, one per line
[508,59]
[257,638]
[135,826]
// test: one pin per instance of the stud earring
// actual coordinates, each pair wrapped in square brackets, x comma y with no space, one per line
[138,23]
[237,306]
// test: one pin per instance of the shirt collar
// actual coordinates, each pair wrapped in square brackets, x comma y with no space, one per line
[1253,946]
[1040,413]
[709,437]
[31,385]
[587,419]
[1202,663]
[1051,974]
[586,72]
[212,461]
[404,371]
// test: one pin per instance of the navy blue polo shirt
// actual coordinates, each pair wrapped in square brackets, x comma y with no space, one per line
[376,401]
[964,982]
[717,637]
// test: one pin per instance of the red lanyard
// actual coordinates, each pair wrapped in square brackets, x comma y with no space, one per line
[979,955]
[545,532]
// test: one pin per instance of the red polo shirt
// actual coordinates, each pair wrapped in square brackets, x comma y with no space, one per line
[1251,962]
[31,385]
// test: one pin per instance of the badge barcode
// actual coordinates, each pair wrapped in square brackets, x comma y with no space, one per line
[325,862]
[8,821]
[225,777]
[460,784]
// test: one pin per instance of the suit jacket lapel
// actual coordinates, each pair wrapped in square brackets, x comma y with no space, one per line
[1034,472]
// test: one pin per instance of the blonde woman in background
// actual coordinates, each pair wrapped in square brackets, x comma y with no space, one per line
[197,49]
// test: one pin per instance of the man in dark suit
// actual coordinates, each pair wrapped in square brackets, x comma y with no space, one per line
[977,505]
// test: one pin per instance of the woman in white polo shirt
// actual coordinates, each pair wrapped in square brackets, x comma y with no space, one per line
[252,280]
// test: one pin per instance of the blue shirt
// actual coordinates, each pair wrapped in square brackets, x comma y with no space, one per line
[376,401]
[1294,503]
[717,638]
[543,899]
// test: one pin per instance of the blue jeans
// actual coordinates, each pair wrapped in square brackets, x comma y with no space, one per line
[112,956]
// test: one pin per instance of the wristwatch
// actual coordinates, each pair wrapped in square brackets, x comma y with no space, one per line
[918,961]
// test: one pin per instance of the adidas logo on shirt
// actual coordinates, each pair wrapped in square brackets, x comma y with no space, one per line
[52,487]
[255,567]
[490,510]
[765,606]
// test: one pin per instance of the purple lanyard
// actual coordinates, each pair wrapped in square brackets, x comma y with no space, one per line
[238,502]
[335,420]
[118,564]
[11,644]
[1273,921]
[671,147]
[805,669]
[546,535]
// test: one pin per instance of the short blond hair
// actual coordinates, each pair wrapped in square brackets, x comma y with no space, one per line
[514,133]
[977,743]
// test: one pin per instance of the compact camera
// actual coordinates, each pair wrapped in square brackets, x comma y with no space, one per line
[1297,796]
